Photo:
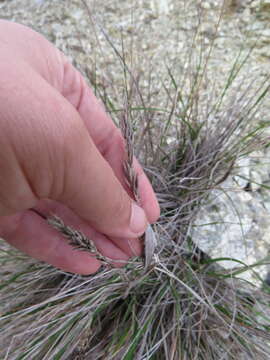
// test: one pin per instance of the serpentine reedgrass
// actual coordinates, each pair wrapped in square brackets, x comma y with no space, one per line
[181,304]
[77,239]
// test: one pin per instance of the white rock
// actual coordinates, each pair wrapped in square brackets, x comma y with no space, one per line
[206,5]
[160,6]
[236,227]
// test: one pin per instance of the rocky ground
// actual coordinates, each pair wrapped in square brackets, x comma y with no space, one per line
[157,33]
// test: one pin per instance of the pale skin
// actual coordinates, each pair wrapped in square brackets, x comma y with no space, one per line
[60,153]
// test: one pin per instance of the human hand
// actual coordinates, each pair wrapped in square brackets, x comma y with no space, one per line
[61,154]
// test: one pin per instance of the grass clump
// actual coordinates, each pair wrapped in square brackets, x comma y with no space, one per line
[180,304]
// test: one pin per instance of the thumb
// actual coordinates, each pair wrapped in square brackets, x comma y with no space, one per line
[91,189]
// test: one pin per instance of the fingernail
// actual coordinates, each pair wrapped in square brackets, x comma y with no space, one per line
[138,220]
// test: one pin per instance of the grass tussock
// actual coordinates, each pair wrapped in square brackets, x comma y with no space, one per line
[180,304]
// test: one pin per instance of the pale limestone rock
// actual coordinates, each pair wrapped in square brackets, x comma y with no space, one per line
[162,7]
[205,5]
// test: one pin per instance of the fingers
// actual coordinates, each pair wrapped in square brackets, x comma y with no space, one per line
[115,248]
[50,64]
[51,152]
[29,233]
[58,158]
